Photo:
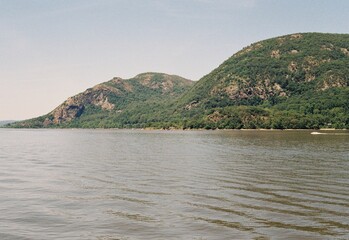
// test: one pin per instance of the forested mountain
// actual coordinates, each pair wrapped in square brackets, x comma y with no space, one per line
[293,81]
[117,103]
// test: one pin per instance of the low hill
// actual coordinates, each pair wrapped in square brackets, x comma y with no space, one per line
[116,103]
[5,122]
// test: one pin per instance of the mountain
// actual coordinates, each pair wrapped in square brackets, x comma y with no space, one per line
[116,103]
[4,122]
[293,81]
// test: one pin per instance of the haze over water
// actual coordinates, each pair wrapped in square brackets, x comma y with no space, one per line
[134,184]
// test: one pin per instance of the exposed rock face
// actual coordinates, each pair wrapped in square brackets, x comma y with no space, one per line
[263,90]
[333,80]
[327,47]
[296,36]
[345,51]
[292,67]
[275,54]
[215,117]
[67,113]
[243,88]
[104,104]
[74,106]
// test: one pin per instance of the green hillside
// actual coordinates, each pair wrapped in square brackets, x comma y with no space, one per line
[294,81]
[118,103]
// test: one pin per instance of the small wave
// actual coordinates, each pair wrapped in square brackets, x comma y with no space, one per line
[317,133]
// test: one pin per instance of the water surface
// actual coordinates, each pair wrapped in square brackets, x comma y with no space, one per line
[134,184]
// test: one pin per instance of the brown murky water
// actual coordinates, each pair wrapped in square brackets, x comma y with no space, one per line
[134,184]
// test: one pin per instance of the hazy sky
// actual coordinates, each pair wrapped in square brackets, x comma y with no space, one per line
[53,49]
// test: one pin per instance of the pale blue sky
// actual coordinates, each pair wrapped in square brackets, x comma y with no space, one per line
[53,49]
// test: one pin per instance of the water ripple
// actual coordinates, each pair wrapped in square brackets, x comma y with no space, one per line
[133,184]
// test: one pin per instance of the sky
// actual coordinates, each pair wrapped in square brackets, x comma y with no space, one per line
[51,50]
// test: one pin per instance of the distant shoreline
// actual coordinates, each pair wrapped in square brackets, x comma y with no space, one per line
[187,129]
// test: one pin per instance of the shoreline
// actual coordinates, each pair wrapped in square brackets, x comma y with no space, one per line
[187,129]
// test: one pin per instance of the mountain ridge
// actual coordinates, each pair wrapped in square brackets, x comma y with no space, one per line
[250,60]
[112,97]
[298,80]
[270,79]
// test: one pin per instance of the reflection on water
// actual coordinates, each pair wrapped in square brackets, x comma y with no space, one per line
[133,184]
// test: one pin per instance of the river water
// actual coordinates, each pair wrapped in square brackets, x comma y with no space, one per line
[134,184]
